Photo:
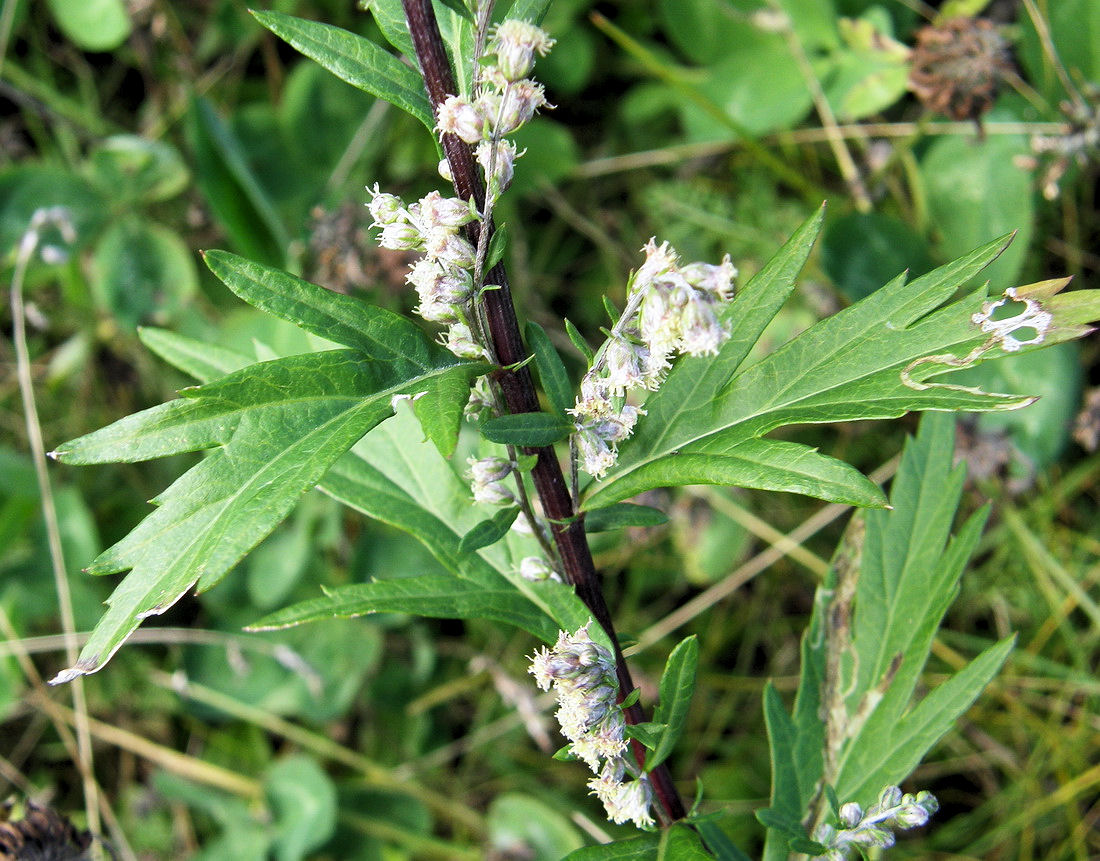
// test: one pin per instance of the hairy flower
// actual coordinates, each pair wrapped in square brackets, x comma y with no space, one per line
[458,116]
[515,44]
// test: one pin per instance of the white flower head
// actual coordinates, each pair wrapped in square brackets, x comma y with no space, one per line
[457,116]
[384,208]
[515,43]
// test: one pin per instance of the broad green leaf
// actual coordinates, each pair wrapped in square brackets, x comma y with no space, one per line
[231,189]
[382,335]
[354,59]
[526,429]
[680,843]
[488,531]
[92,25]
[303,801]
[278,427]
[677,687]
[523,820]
[622,516]
[132,168]
[862,251]
[552,373]
[455,28]
[870,360]
[975,191]
[142,272]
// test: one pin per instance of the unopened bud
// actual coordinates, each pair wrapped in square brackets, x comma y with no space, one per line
[515,43]
[459,117]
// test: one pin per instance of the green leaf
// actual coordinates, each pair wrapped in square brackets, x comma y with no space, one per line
[676,689]
[890,753]
[142,272]
[718,843]
[92,25]
[498,245]
[395,479]
[529,10]
[867,361]
[522,820]
[303,801]
[199,359]
[642,848]
[976,191]
[526,429]
[579,342]
[234,195]
[488,531]
[757,463]
[862,251]
[648,733]
[380,334]
[807,847]
[786,809]
[623,515]
[552,373]
[354,59]
[681,843]
[134,168]
[278,427]
[776,821]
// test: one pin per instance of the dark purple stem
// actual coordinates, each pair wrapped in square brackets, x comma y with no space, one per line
[518,388]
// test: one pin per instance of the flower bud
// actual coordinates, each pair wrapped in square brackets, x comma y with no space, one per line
[889,797]
[851,814]
[516,106]
[716,280]
[503,162]
[384,208]
[701,333]
[444,169]
[401,236]
[460,341]
[448,213]
[910,815]
[449,248]
[598,456]
[457,116]
[515,43]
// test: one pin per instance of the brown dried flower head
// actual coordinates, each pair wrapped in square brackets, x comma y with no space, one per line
[957,67]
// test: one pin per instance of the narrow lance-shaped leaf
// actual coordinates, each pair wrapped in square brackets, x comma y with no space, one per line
[676,688]
[354,59]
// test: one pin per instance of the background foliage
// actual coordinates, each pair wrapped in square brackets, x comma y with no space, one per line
[171,127]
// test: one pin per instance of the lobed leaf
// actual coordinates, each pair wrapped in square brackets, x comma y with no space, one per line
[868,361]
[277,426]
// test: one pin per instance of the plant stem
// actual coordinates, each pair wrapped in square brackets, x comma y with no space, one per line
[518,389]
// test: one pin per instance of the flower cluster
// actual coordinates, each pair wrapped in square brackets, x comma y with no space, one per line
[486,480]
[444,277]
[582,674]
[670,309]
[504,100]
[863,829]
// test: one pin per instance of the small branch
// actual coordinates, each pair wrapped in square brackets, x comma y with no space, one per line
[518,390]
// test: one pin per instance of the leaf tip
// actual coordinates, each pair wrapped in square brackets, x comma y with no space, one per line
[83,667]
